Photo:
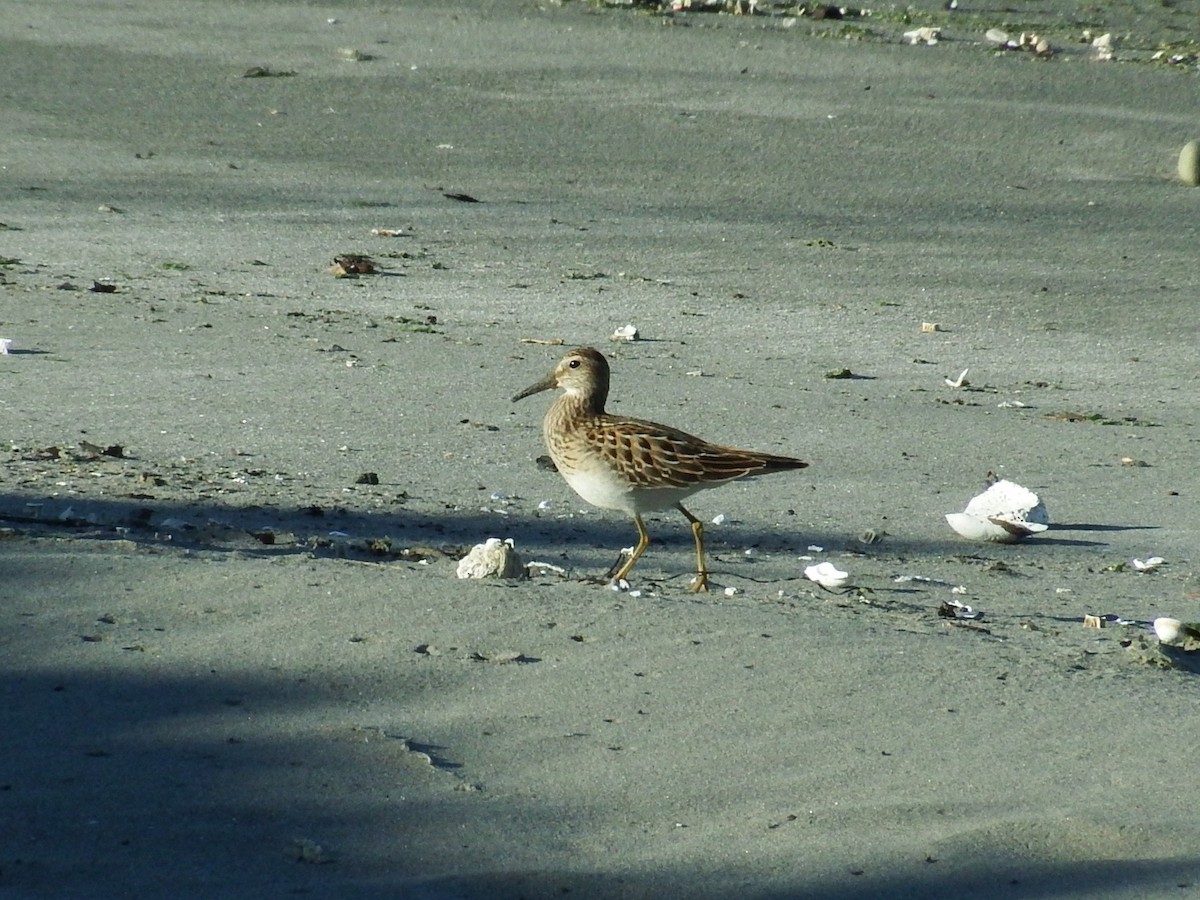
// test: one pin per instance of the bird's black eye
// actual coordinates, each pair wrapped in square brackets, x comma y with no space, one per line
[574,364]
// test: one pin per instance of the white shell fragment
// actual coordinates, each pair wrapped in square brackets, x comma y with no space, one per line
[960,381]
[923,35]
[625,333]
[5,346]
[492,559]
[1189,163]
[1038,45]
[1147,565]
[1005,513]
[1103,47]
[827,575]
[954,609]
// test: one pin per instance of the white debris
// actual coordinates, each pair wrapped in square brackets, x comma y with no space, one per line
[1147,565]
[545,504]
[1168,630]
[493,558]
[1103,47]
[720,519]
[956,610]
[625,333]
[1005,513]
[960,381]
[927,35]
[1173,631]
[5,346]
[827,575]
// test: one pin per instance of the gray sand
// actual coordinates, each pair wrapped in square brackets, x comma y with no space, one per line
[230,670]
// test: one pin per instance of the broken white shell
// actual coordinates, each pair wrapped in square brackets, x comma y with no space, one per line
[928,35]
[625,333]
[493,558]
[1005,513]
[5,345]
[1147,565]
[827,575]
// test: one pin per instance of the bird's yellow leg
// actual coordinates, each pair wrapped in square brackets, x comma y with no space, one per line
[642,544]
[701,582]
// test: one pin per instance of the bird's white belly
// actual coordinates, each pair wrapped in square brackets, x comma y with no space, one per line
[607,490]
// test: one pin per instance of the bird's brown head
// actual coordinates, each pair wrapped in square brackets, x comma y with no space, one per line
[582,373]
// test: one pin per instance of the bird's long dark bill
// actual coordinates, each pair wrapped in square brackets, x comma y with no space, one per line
[544,385]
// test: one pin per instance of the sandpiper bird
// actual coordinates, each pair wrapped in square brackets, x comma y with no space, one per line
[631,465]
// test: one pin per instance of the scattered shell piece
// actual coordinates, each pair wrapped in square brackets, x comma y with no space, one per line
[390,232]
[353,54]
[730,591]
[5,346]
[720,519]
[827,575]
[1189,163]
[1134,463]
[351,265]
[927,35]
[492,559]
[625,333]
[931,327]
[1103,47]
[960,381]
[1147,565]
[1005,513]
[953,609]
[1012,404]
[1038,45]
[1090,621]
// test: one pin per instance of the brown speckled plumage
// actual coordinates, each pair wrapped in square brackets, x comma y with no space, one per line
[632,465]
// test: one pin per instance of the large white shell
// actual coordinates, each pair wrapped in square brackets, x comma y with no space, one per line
[1173,631]
[1005,513]
[1168,630]
[492,559]
[827,575]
